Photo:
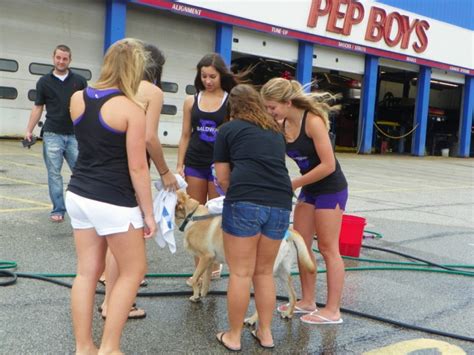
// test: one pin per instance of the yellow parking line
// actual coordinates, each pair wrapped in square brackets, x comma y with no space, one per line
[26,201]
[409,346]
[22,181]
[6,210]
[23,165]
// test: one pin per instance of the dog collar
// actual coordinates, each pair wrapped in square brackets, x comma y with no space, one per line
[187,219]
[190,218]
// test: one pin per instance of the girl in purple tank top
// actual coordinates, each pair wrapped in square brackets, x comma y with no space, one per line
[323,190]
[203,113]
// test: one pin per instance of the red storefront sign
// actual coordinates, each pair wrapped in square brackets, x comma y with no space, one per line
[380,23]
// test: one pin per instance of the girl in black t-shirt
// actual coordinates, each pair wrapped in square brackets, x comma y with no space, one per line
[250,165]
[323,196]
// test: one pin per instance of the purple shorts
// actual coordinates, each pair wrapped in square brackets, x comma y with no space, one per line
[325,201]
[200,173]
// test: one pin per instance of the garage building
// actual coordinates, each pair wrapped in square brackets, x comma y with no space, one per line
[405,68]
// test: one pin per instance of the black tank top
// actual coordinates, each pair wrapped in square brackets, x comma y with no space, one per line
[303,152]
[204,127]
[101,171]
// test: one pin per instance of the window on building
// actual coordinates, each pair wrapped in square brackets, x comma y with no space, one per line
[169,87]
[190,89]
[32,95]
[8,93]
[8,65]
[42,69]
[85,73]
[169,110]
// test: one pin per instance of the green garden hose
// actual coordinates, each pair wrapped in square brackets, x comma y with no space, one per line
[423,266]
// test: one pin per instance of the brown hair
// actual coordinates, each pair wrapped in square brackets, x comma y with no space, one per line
[64,48]
[154,65]
[245,103]
[284,90]
[228,79]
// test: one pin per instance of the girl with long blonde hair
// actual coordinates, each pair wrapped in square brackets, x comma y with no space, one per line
[323,196]
[109,195]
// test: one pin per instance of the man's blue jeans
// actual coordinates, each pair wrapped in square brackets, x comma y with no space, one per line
[57,147]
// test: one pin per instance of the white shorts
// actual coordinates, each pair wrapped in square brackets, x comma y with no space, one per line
[106,218]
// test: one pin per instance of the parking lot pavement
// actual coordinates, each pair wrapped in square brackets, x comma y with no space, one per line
[423,207]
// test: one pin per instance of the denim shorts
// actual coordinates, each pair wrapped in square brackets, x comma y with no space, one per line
[200,173]
[325,201]
[246,219]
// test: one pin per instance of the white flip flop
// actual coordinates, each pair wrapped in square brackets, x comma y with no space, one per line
[297,309]
[323,321]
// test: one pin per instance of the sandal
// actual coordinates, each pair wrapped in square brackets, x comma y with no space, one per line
[102,280]
[99,308]
[216,274]
[135,313]
[256,337]
[144,282]
[56,218]
[315,318]
[220,339]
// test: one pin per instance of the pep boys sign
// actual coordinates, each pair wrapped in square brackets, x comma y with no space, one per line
[394,28]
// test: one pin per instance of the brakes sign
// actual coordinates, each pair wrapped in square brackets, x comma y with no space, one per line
[395,29]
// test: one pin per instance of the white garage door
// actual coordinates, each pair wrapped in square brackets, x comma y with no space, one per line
[184,41]
[30,30]
[447,76]
[395,64]
[336,59]
[264,45]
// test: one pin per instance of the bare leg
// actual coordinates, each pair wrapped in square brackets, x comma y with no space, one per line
[241,256]
[129,252]
[111,274]
[328,226]
[212,193]
[197,189]
[90,250]
[264,287]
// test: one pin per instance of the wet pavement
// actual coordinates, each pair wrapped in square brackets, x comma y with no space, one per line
[423,207]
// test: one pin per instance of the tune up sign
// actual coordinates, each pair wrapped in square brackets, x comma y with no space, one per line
[395,29]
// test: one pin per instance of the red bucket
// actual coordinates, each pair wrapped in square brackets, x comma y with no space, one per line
[350,238]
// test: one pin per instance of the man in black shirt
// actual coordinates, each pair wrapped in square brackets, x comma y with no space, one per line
[54,90]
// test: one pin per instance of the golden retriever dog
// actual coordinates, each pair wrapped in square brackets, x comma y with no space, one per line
[203,238]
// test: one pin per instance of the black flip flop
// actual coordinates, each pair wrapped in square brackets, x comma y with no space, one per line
[254,334]
[221,341]
[140,316]
[99,308]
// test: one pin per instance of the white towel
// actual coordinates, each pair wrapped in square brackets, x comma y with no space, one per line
[163,207]
[215,205]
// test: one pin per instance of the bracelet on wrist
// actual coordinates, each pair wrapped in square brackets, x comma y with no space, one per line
[165,172]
